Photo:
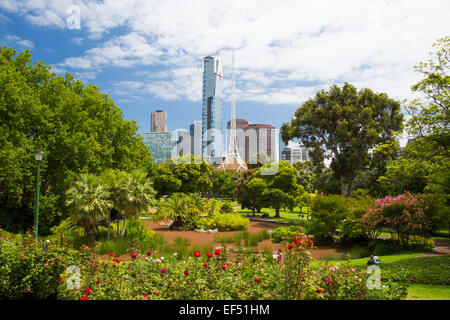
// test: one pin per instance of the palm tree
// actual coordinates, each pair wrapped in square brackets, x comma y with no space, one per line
[179,207]
[134,194]
[88,202]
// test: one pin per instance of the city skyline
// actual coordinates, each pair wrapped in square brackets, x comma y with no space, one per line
[145,61]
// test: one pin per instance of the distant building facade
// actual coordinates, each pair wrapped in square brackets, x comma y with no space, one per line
[159,121]
[212,113]
[196,138]
[260,138]
[162,145]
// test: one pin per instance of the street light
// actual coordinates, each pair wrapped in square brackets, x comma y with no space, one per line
[38,156]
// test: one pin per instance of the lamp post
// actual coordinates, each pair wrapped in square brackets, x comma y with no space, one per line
[38,156]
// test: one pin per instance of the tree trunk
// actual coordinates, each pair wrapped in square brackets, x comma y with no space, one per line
[277,212]
[91,234]
[123,227]
[345,186]
[109,226]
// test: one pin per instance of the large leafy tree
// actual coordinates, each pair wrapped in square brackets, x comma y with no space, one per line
[79,129]
[344,124]
[430,118]
[88,202]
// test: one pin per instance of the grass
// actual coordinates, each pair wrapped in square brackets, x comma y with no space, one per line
[428,292]
[243,238]
[384,259]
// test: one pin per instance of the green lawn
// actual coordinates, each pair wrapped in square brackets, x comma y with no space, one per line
[428,292]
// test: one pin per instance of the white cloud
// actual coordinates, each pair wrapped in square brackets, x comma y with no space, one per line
[18,41]
[285,50]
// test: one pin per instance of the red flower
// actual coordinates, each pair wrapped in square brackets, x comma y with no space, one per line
[116,260]
[84,298]
[209,255]
[217,252]
[257,252]
[59,279]
[197,254]
[205,265]
[133,255]
[111,254]
[297,241]
[114,265]
[328,280]
[163,271]
[149,253]
[145,297]
[97,282]
[88,290]
[257,280]
[290,246]
[225,266]
[319,290]
[186,273]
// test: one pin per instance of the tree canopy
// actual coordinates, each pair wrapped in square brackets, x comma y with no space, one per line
[344,124]
[79,129]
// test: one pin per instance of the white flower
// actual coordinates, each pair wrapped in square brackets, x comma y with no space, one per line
[162,258]
[175,254]
[158,260]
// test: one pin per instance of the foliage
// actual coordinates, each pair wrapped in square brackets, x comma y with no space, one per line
[31,268]
[88,203]
[403,214]
[231,222]
[226,208]
[213,274]
[348,124]
[429,270]
[284,234]
[79,129]
[327,214]
[224,183]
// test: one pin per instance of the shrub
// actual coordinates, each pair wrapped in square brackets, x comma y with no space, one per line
[206,223]
[31,268]
[284,233]
[230,222]
[404,214]
[359,252]
[226,208]
[327,215]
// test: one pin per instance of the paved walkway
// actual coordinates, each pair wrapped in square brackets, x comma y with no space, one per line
[441,247]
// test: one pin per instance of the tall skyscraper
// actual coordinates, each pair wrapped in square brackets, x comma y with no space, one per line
[159,121]
[212,107]
[162,145]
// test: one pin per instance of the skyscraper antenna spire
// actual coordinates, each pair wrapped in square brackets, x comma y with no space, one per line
[233,160]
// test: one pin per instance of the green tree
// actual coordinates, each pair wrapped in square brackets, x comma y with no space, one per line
[179,208]
[88,202]
[79,129]
[134,194]
[346,123]
[257,189]
[425,163]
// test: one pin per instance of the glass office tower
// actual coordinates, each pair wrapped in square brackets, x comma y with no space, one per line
[212,135]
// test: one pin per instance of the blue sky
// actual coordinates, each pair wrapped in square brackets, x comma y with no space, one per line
[147,55]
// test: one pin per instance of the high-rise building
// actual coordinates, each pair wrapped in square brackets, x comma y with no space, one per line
[162,145]
[159,121]
[241,127]
[196,138]
[212,135]
[261,138]
[281,147]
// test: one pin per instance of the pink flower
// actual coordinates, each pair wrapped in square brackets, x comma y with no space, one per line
[186,273]
[133,255]
[149,253]
[163,271]
[145,297]
[225,266]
